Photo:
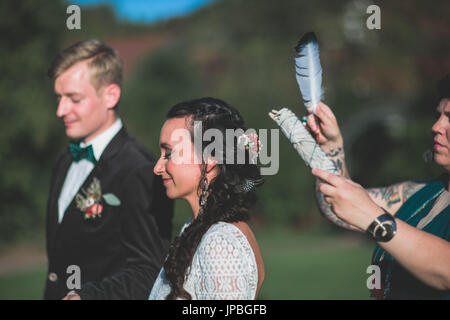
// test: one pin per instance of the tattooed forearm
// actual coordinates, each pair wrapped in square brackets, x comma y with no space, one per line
[337,156]
[335,152]
[327,211]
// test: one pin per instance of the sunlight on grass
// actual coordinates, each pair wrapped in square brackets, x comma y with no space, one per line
[310,264]
[313,265]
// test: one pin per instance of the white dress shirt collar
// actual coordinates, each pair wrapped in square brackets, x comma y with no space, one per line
[100,142]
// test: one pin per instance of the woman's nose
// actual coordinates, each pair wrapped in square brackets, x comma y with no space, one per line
[159,167]
[437,125]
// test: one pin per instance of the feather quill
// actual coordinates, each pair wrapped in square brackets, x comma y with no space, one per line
[309,71]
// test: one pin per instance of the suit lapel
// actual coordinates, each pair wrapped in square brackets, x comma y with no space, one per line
[60,176]
[98,171]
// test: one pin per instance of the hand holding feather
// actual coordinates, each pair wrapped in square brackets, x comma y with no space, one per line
[309,79]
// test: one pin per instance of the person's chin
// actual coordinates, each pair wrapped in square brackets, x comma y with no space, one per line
[74,134]
[440,159]
[171,195]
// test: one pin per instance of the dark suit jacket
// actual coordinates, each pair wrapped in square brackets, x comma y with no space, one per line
[120,253]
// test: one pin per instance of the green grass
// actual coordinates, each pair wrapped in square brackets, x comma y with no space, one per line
[310,264]
[28,285]
[313,264]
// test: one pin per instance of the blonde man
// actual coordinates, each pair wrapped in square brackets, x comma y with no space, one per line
[108,219]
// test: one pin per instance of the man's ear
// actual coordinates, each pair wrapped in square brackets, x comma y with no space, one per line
[111,95]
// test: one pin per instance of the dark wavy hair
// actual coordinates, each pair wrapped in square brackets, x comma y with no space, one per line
[226,200]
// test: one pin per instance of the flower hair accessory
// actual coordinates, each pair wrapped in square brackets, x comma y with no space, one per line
[251,143]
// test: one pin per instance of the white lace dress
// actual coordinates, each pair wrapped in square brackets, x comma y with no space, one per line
[223,267]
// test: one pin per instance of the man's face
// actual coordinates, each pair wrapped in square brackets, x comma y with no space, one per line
[441,133]
[83,110]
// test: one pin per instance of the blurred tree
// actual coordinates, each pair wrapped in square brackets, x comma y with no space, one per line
[242,52]
[30,34]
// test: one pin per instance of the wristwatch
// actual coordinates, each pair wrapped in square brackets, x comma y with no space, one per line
[383,228]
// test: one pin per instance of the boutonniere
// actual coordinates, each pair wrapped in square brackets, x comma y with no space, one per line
[90,202]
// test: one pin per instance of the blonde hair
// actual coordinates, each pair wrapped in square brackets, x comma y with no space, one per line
[105,66]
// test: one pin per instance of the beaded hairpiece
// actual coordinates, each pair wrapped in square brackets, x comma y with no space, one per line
[252,144]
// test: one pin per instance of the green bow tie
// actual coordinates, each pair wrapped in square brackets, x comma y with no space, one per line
[79,153]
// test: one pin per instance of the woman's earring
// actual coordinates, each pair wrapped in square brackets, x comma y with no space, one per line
[427,156]
[203,196]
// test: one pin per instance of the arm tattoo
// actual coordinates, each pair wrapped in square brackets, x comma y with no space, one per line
[326,210]
[389,195]
[337,156]
[409,188]
[397,193]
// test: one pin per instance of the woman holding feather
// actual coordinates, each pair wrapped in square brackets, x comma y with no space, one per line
[410,221]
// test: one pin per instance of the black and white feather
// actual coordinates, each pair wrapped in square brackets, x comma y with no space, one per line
[309,71]
[248,185]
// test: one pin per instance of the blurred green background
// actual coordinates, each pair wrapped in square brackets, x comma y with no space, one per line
[379,83]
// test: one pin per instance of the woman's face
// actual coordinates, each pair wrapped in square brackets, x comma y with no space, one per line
[441,135]
[176,166]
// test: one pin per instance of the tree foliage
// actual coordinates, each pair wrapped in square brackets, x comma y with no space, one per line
[380,83]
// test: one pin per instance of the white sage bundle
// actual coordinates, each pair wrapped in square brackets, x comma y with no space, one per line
[311,153]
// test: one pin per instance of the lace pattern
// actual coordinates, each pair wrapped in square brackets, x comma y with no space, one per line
[223,268]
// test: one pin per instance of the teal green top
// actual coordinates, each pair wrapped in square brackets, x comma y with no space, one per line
[397,282]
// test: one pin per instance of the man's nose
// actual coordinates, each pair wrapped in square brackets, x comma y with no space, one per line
[159,167]
[63,108]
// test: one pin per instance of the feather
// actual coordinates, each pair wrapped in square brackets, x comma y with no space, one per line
[309,71]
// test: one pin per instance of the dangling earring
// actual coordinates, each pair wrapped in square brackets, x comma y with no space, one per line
[203,196]
[427,156]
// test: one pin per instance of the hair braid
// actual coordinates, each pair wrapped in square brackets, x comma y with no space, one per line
[224,203]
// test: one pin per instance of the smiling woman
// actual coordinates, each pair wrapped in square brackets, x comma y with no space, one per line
[217,234]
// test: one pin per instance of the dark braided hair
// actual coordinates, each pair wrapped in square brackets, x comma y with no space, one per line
[225,202]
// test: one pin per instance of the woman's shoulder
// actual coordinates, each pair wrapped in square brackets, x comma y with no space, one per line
[224,264]
[225,232]
[222,226]
[411,187]
[225,242]
[232,247]
[225,239]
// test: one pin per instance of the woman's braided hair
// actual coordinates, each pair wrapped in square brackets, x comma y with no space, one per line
[225,202]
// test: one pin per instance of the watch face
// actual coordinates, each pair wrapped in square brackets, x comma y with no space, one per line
[384,232]
[383,228]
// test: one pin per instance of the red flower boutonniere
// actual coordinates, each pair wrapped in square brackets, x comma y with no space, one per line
[91,202]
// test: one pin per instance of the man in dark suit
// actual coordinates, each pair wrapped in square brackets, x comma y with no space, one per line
[108,218]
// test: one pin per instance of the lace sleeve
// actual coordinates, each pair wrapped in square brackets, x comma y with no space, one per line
[225,265]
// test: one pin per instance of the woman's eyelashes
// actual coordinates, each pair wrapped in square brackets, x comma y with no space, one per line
[167,154]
